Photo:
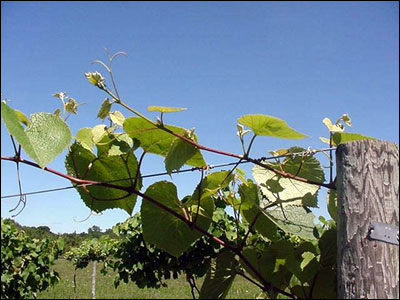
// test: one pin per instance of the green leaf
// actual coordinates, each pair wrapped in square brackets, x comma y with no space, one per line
[263,264]
[325,284]
[344,137]
[117,117]
[332,204]
[325,140]
[85,137]
[328,247]
[104,109]
[293,219]
[71,106]
[98,133]
[220,277]
[179,153]
[46,136]
[262,223]
[332,127]
[165,230]
[83,164]
[270,126]
[164,109]
[22,117]
[294,192]
[157,141]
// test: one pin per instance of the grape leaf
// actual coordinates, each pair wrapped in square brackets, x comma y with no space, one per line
[179,153]
[44,138]
[165,230]
[332,204]
[220,277]
[85,138]
[164,109]
[294,192]
[270,126]
[157,141]
[83,164]
[344,137]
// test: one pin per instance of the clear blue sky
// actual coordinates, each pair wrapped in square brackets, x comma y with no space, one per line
[298,61]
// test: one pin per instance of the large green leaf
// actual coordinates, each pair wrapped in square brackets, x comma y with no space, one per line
[44,138]
[293,219]
[157,141]
[270,126]
[220,277]
[252,213]
[328,247]
[179,153]
[291,191]
[83,164]
[164,229]
[344,137]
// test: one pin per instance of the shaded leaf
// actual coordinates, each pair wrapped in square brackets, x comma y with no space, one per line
[83,164]
[165,230]
[332,204]
[104,109]
[179,153]
[220,277]
[295,219]
[294,192]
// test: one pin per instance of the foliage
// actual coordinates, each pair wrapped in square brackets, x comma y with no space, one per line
[26,263]
[273,236]
[88,251]
[148,266]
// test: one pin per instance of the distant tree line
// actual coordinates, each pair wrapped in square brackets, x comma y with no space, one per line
[70,239]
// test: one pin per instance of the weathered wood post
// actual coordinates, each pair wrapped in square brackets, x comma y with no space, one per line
[94,279]
[368,190]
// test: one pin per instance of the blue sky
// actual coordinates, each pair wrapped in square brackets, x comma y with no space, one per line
[298,61]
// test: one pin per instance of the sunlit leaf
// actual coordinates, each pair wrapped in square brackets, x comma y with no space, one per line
[44,138]
[157,141]
[344,137]
[270,126]
[71,106]
[117,117]
[85,138]
[164,109]
[22,117]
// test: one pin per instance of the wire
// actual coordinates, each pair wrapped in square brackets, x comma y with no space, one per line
[307,152]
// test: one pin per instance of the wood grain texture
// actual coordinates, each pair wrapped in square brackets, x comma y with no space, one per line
[368,190]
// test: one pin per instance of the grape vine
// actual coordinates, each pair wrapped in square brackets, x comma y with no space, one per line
[295,258]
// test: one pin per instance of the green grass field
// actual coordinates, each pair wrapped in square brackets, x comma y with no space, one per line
[177,289]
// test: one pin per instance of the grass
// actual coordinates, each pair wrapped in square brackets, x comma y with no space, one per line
[177,289]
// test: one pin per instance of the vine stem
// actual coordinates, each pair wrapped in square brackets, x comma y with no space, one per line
[132,189]
[216,151]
